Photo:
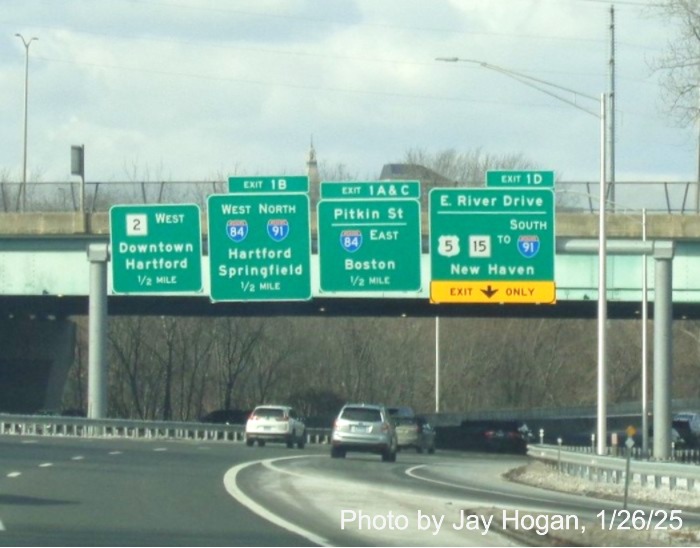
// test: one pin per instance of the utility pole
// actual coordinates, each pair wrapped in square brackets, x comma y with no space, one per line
[611,112]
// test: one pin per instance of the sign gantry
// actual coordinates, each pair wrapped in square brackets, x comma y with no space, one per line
[487,245]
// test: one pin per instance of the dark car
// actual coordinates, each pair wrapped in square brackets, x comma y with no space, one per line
[497,436]
[506,438]
[400,411]
[683,426]
[226,416]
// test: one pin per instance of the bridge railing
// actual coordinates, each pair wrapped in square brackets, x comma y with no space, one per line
[671,197]
[40,425]
[609,469]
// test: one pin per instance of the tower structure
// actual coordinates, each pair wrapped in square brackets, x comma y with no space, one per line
[314,177]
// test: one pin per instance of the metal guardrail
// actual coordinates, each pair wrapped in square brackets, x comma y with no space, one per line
[533,414]
[41,425]
[679,453]
[612,469]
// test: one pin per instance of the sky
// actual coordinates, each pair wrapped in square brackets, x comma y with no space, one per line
[190,90]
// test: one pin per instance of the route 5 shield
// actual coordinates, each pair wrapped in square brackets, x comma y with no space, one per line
[448,246]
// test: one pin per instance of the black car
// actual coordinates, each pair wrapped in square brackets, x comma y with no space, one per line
[226,416]
[497,436]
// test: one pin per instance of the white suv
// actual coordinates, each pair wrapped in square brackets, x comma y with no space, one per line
[275,423]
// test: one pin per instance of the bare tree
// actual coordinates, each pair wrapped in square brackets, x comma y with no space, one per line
[336,172]
[277,361]
[133,378]
[235,342]
[5,198]
[467,168]
[194,352]
[679,64]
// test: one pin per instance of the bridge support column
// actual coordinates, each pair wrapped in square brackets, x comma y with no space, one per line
[97,332]
[663,357]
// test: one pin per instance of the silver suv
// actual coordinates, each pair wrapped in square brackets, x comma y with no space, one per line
[364,428]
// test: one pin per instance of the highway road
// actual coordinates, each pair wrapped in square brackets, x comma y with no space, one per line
[77,492]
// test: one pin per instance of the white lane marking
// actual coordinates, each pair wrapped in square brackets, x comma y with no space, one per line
[14,474]
[2,527]
[115,452]
[161,449]
[77,457]
[269,464]
[45,464]
[29,441]
[233,490]
[411,472]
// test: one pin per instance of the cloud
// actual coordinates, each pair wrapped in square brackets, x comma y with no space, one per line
[201,87]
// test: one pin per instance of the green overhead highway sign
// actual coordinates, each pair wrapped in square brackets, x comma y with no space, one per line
[492,245]
[259,247]
[369,245]
[156,248]
[529,179]
[293,183]
[370,189]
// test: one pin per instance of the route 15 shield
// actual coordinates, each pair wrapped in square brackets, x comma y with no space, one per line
[278,229]
[528,246]
[351,240]
[237,229]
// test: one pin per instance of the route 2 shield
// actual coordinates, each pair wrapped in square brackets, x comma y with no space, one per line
[528,246]
[237,229]
[278,229]
[351,240]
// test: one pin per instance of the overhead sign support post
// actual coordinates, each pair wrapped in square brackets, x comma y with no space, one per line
[97,255]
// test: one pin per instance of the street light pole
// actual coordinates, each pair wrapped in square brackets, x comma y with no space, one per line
[601,422]
[23,187]
[602,415]
[437,364]
[530,81]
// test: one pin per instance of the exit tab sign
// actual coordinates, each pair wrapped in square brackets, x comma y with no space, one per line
[370,189]
[293,183]
[529,179]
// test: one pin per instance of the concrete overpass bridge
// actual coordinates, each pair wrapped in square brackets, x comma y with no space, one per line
[45,276]
[44,271]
